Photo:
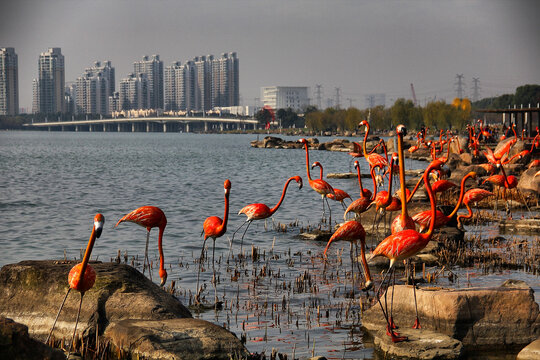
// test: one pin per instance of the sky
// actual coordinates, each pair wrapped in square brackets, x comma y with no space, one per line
[359,47]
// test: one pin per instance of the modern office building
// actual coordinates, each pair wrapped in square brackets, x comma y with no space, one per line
[114,102]
[9,82]
[153,69]
[134,92]
[70,98]
[94,89]
[51,81]
[203,83]
[284,97]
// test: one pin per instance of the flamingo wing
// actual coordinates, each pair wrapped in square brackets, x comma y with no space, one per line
[146,216]
[339,195]
[255,211]
[350,231]
[476,195]
[442,186]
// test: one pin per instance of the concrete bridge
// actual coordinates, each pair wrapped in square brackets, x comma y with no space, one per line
[149,124]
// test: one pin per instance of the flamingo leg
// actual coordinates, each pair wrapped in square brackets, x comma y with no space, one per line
[214,280]
[391,318]
[197,294]
[57,315]
[352,269]
[146,255]
[234,233]
[76,322]
[394,336]
[242,239]
[416,322]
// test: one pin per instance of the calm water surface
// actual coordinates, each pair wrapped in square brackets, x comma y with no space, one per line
[53,183]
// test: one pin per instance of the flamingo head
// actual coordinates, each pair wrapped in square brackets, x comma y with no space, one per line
[363,123]
[356,164]
[163,276]
[99,220]
[395,156]
[227,186]
[303,141]
[401,130]
[298,179]
[316,163]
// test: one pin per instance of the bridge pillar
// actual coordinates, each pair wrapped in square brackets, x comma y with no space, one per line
[118,127]
[76,128]
[206,126]
[187,127]
[132,127]
[221,126]
[104,127]
[62,128]
[147,126]
[90,128]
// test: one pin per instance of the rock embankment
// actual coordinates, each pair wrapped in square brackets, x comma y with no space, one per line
[31,292]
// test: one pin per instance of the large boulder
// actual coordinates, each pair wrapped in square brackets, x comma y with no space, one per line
[31,293]
[530,352]
[528,183]
[15,343]
[505,317]
[188,339]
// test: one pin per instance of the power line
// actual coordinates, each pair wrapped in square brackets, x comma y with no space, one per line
[476,89]
[459,85]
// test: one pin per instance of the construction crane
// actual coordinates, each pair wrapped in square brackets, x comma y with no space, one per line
[413,94]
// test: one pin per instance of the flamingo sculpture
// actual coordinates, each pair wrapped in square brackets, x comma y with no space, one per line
[319,185]
[361,204]
[423,219]
[353,231]
[338,195]
[150,217]
[472,196]
[261,211]
[214,227]
[82,276]
[402,245]
[402,221]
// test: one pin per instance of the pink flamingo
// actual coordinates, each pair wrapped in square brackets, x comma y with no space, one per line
[361,204]
[472,196]
[375,160]
[150,217]
[261,211]
[319,185]
[82,276]
[353,231]
[423,219]
[402,245]
[338,195]
[383,199]
[214,227]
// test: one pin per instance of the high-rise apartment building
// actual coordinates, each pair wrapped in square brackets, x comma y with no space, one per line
[153,69]
[203,83]
[284,97]
[51,81]
[94,89]
[9,82]
[134,92]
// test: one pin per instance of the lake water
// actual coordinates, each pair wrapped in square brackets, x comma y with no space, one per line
[53,183]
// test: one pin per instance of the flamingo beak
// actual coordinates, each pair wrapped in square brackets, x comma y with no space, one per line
[369,285]
[98,226]
[163,280]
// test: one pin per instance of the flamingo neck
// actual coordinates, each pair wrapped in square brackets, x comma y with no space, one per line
[360,181]
[274,209]
[372,172]
[307,162]
[87,253]
[432,201]
[160,248]
[389,196]
[402,176]
[365,140]
[506,183]
[461,195]
[226,214]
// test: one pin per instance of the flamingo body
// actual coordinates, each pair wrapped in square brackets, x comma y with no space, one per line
[351,230]
[401,245]
[338,195]
[358,206]
[442,186]
[87,281]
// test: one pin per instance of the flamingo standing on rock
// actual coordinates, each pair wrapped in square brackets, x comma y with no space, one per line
[361,204]
[319,185]
[214,227]
[82,276]
[261,211]
[402,245]
[338,195]
[150,217]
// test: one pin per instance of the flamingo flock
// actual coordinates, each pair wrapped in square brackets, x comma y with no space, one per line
[407,236]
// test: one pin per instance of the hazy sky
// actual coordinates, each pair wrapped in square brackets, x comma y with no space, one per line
[361,47]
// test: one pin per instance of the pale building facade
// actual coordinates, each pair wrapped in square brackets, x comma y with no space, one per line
[9,82]
[51,81]
[284,97]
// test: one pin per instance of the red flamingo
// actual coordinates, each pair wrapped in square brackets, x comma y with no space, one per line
[214,227]
[402,245]
[150,217]
[472,196]
[402,221]
[383,199]
[82,276]
[534,163]
[338,195]
[353,231]
[319,185]
[503,182]
[261,211]
[423,219]
[375,160]
[361,204]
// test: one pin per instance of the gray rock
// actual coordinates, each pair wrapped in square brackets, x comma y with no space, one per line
[31,293]
[481,318]
[421,344]
[15,343]
[188,339]
[528,183]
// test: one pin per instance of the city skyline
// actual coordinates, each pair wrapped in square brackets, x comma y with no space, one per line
[360,48]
